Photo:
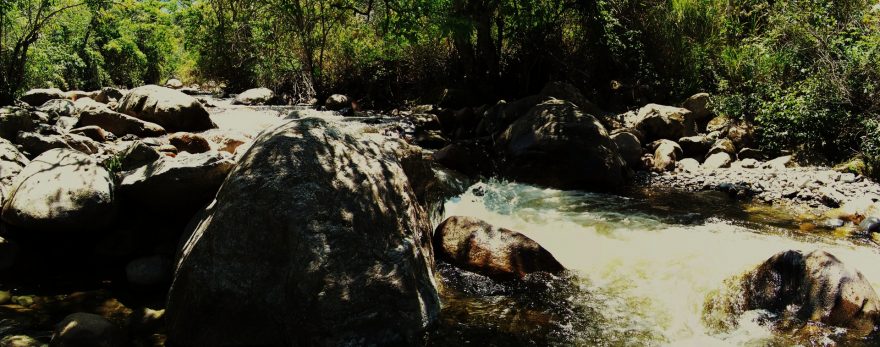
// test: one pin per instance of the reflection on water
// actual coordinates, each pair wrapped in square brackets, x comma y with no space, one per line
[643,264]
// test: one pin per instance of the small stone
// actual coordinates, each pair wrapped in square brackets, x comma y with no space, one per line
[870,225]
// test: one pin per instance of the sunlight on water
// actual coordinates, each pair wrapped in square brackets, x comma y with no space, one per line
[655,273]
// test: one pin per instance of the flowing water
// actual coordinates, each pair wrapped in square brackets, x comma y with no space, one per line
[643,265]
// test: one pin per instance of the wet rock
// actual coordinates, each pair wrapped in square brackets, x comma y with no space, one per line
[717,161]
[314,239]
[86,330]
[13,120]
[818,285]
[169,108]
[61,190]
[870,225]
[117,123]
[188,142]
[138,155]
[174,83]
[337,102]
[657,122]
[698,104]
[59,108]
[38,97]
[256,96]
[666,155]
[35,144]
[629,147]
[93,132]
[557,145]
[19,341]
[184,183]
[499,253]
[149,271]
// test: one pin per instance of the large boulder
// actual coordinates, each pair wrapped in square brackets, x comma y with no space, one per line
[11,164]
[473,157]
[189,142]
[314,239]
[629,146]
[337,102]
[657,122]
[699,105]
[107,95]
[86,330]
[61,190]
[184,183]
[117,123]
[695,146]
[819,287]
[557,145]
[59,108]
[499,253]
[174,83]
[14,120]
[38,97]
[666,154]
[256,96]
[169,108]
[566,91]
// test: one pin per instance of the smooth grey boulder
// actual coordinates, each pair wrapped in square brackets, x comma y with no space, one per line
[555,144]
[183,183]
[62,190]
[315,239]
[256,96]
[38,97]
[173,110]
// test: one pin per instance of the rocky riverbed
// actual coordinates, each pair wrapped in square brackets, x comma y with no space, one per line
[275,225]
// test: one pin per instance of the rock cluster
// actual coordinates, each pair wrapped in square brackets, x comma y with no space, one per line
[770,182]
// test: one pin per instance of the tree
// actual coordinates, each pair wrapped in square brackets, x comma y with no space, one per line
[21,24]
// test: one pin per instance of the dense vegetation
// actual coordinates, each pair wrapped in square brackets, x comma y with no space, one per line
[805,71]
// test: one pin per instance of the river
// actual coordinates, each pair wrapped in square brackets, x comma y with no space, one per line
[643,267]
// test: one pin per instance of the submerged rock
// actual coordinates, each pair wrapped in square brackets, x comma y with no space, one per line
[169,108]
[61,190]
[499,253]
[316,238]
[812,287]
[557,145]
[86,330]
